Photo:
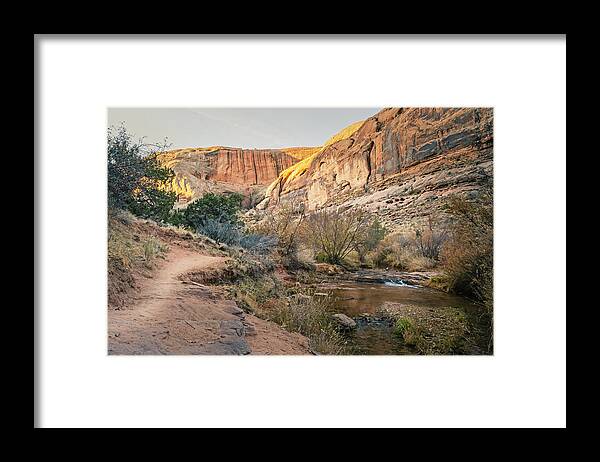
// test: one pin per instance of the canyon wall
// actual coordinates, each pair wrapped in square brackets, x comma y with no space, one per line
[221,169]
[399,164]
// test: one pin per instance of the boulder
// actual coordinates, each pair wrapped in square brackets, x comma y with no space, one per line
[344,321]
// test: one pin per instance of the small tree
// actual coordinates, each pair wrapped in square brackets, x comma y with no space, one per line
[136,179]
[222,208]
[430,239]
[335,235]
[372,237]
[285,223]
[468,256]
[125,167]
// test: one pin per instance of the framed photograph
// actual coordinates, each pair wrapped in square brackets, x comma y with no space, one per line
[268,237]
[255,218]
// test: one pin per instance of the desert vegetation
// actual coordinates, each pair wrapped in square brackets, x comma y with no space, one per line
[445,333]
[415,250]
[136,179]
[333,235]
[468,257]
[285,224]
[296,309]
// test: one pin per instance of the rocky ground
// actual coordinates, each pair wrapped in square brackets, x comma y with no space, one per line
[378,276]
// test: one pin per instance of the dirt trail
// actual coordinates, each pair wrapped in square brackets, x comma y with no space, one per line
[170,316]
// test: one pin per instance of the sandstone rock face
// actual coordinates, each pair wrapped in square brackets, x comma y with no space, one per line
[399,165]
[220,169]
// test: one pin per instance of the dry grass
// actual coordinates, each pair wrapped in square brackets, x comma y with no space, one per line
[152,249]
[130,247]
[310,315]
[295,310]
[468,256]
[400,251]
[441,331]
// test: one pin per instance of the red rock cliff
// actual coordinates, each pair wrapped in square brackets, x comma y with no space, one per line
[220,169]
[398,164]
[249,167]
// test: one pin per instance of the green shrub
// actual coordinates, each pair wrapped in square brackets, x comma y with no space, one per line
[402,325]
[213,208]
[177,218]
[321,257]
[136,179]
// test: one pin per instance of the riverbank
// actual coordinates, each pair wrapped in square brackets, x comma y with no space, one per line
[362,312]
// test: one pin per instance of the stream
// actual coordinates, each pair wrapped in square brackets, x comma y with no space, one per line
[375,336]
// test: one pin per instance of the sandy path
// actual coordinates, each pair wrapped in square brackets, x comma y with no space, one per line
[169,316]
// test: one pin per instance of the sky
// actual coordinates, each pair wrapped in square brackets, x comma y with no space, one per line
[244,128]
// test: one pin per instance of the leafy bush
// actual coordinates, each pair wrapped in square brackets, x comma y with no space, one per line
[136,180]
[212,208]
[177,218]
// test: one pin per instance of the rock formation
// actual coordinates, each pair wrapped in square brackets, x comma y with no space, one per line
[221,169]
[398,164]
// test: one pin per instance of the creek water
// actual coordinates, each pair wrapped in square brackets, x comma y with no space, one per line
[376,336]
